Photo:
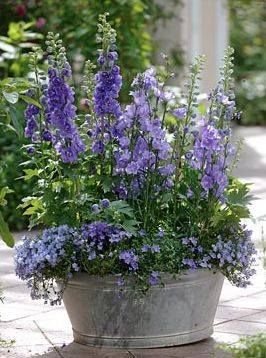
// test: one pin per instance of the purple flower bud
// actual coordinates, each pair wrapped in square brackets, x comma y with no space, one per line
[95,208]
[105,203]
[47,136]
[31,150]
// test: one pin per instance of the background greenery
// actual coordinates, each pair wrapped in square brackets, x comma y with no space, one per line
[248,347]
[248,37]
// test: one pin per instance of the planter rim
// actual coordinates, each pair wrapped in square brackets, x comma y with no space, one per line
[85,281]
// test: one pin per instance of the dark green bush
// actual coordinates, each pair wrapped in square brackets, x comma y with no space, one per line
[11,157]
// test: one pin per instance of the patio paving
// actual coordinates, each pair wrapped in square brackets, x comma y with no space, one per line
[44,331]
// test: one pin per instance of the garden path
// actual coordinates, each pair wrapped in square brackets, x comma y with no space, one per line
[45,332]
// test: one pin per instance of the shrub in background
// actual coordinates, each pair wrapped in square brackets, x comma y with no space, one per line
[247,36]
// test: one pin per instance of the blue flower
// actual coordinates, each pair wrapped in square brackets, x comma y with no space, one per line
[60,114]
[154,278]
[95,208]
[105,203]
[129,258]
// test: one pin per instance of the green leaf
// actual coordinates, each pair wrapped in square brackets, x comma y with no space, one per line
[11,97]
[30,100]
[16,122]
[238,193]
[7,47]
[107,184]
[3,192]
[130,226]
[5,233]
[122,207]
[30,173]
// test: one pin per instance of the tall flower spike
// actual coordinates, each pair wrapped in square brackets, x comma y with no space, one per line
[108,79]
[32,112]
[89,82]
[223,108]
[60,111]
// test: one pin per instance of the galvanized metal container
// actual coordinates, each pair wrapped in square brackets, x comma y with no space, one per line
[179,313]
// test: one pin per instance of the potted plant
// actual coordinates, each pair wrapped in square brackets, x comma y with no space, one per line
[141,214]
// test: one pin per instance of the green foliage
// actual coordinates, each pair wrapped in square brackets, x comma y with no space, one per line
[13,48]
[247,36]
[76,21]
[253,346]
[12,128]
[11,116]
[4,230]
[251,96]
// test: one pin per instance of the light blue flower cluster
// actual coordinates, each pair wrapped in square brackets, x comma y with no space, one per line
[54,248]
[234,256]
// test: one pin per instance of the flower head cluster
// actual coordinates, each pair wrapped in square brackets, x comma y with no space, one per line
[35,256]
[67,250]
[211,156]
[98,237]
[57,100]
[142,145]
[130,258]
[108,82]
[31,114]
[233,255]
[60,114]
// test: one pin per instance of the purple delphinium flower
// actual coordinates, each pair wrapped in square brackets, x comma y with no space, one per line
[105,203]
[60,113]
[108,84]
[211,155]
[47,136]
[207,182]
[141,140]
[95,208]
[31,150]
[31,113]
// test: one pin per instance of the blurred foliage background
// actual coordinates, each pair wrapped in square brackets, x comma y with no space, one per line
[24,24]
[248,37]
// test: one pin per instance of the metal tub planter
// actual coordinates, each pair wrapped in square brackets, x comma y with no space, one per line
[179,313]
